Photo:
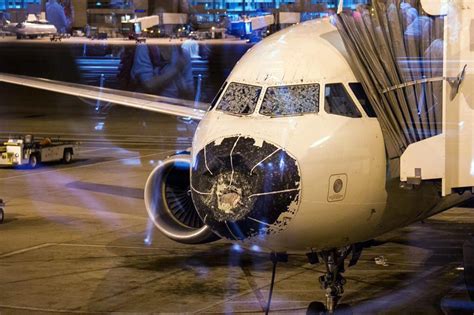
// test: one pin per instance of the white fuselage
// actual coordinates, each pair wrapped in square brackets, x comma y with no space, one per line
[327,147]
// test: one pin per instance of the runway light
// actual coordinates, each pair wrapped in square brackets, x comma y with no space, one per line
[460,268]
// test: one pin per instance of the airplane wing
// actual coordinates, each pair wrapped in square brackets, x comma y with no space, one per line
[158,104]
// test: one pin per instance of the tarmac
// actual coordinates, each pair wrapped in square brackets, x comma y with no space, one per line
[76,238]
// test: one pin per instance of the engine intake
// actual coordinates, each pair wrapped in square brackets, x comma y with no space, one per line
[169,203]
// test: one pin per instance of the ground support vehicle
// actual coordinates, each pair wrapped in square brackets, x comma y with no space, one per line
[26,151]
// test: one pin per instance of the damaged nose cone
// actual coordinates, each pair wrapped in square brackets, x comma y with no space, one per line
[245,187]
[229,201]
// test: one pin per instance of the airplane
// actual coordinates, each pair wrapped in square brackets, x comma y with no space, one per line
[31,28]
[290,175]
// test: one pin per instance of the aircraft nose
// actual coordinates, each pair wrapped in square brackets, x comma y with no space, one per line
[245,187]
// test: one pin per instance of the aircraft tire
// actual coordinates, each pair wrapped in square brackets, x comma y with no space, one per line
[67,157]
[2,215]
[33,161]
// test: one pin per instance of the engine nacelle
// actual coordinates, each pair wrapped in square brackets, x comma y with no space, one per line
[169,204]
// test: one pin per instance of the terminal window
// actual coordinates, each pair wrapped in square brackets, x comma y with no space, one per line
[16,4]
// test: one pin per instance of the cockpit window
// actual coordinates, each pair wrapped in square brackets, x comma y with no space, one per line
[363,99]
[216,98]
[240,99]
[339,102]
[290,100]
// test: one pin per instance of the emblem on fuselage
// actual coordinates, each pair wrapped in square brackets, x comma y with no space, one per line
[337,187]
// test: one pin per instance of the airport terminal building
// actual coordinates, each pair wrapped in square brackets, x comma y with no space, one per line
[108,13]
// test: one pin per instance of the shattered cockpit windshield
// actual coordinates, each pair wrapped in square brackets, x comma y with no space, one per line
[240,99]
[291,100]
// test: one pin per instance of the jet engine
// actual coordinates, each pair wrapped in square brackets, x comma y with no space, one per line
[169,204]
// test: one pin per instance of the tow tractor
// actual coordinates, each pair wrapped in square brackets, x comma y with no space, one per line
[27,151]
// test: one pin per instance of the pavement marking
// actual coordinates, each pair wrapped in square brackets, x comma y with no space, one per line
[121,247]
[134,288]
[92,150]
[28,249]
[254,286]
[48,310]
[84,166]
[208,308]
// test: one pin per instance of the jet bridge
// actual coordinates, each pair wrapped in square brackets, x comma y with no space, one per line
[417,66]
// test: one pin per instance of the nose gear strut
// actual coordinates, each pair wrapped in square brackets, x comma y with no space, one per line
[332,282]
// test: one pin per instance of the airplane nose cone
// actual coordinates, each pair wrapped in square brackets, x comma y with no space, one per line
[245,187]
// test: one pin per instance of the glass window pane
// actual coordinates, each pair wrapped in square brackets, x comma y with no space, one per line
[291,100]
[240,99]
[338,101]
[363,99]
[216,98]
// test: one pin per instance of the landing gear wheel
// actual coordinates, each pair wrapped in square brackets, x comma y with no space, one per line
[2,215]
[33,161]
[67,157]
[316,308]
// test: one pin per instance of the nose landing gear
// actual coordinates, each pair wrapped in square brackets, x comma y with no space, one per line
[332,281]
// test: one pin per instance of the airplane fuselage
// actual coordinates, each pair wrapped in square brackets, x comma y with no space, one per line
[301,180]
